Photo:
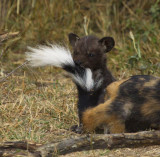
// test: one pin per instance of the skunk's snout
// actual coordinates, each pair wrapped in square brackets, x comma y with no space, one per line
[78,62]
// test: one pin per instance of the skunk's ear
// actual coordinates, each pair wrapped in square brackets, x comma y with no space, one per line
[108,43]
[73,38]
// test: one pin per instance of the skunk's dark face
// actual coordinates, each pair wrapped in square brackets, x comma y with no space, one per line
[89,51]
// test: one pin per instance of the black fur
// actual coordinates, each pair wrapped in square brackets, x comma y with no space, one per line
[134,91]
[90,52]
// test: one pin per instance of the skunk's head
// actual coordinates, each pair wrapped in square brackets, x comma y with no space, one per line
[90,51]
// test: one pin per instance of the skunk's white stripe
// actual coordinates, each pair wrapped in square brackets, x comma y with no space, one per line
[54,55]
[89,79]
[98,83]
[86,81]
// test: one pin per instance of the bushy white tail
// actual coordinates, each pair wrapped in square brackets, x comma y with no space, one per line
[59,56]
[54,55]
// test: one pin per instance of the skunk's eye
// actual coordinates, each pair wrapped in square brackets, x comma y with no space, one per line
[91,54]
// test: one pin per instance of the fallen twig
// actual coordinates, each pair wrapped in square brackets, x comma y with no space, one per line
[87,142]
[6,36]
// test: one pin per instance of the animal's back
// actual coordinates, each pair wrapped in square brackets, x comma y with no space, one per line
[137,102]
[133,104]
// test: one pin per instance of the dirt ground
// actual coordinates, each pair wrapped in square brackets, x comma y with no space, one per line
[149,151]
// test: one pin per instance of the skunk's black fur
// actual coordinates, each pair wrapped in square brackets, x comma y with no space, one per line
[90,52]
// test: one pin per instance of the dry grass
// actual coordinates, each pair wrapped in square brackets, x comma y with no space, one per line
[40,104]
[37,108]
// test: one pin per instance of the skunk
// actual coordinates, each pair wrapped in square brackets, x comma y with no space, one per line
[90,52]
[89,59]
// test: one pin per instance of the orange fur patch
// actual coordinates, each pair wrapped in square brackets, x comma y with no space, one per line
[113,88]
[151,83]
[94,117]
[97,116]
[150,107]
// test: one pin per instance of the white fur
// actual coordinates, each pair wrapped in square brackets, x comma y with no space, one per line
[54,55]
[98,83]
[58,56]
[86,81]
[89,79]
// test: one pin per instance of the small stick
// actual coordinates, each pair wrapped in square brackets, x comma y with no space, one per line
[4,78]
[6,36]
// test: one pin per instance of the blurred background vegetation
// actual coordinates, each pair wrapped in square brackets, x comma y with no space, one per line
[134,24]
[27,97]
